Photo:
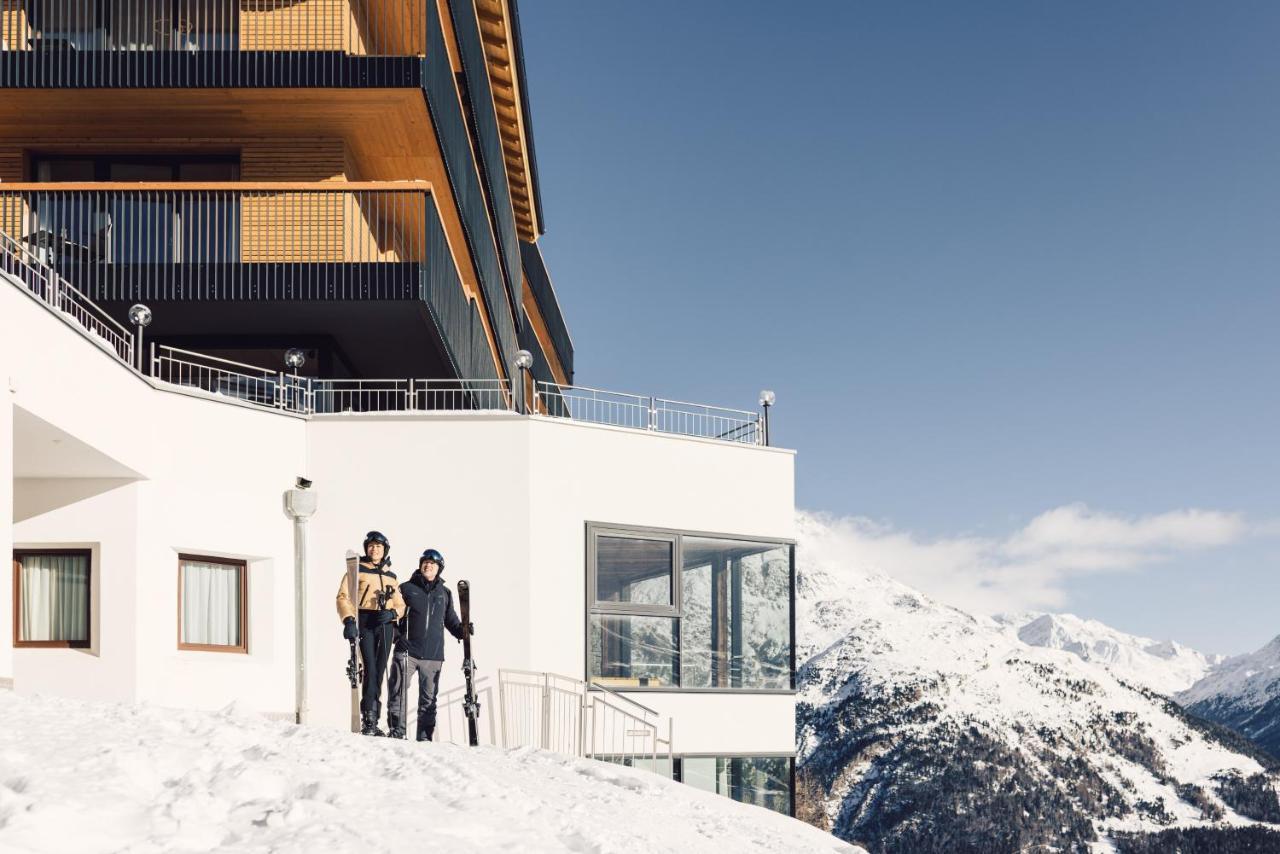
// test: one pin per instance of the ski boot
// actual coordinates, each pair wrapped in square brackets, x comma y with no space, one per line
[369,724]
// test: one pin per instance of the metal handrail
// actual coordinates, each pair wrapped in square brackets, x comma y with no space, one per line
[596,686]
[593,726]
[72,305]
[656,414]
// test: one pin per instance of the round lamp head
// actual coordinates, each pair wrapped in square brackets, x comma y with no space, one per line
[524,360]
[295,358]
[140,315]
[767,398]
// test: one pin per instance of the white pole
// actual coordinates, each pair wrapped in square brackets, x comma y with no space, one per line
[300,504]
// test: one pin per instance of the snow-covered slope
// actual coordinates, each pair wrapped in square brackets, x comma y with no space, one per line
[923,728]
[1165,667]
[1243,693]
[84,778]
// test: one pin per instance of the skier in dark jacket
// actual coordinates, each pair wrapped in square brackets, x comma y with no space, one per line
[372,620]
[421,646]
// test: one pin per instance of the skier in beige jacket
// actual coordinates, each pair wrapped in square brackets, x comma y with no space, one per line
[372,620]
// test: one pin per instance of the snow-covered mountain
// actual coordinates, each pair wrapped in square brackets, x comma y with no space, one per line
[94,777]
[923,728]
[1242,693]
[1165,667]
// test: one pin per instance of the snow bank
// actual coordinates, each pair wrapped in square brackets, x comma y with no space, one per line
[83,777]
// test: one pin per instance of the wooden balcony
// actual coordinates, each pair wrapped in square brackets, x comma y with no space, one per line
[211,43]
[189,241]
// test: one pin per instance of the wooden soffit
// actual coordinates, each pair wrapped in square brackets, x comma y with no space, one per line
[495,31]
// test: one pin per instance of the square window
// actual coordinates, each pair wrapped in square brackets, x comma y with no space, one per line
[635,572]
[51,598]
[211,604]
[634,652]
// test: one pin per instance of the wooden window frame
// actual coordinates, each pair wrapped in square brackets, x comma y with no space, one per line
[243,566]
[18,554]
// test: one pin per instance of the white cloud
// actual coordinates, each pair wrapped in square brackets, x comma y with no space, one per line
[1026,569]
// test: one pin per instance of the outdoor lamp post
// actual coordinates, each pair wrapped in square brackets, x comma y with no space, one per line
[524,361]
[767,399]
[295,358]
[140,317]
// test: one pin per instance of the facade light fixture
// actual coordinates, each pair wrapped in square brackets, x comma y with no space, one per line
[523,362]
[767,399]
[140,316]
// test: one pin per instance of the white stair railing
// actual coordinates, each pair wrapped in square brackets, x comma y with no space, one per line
[576,718]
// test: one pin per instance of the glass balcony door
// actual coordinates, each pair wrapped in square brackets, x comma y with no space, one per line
[140,25]
[144,226]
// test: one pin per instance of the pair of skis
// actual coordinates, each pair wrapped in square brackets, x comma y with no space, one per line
[355,668]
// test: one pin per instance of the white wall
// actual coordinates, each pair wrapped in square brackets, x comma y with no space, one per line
[505,498]
[207,478]
[459,485]
[6,529]
[102,516]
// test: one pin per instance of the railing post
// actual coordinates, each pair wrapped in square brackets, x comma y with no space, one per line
[502,707]
[653,413]
[281,402]
[153,356]
[546,712]
[411,403]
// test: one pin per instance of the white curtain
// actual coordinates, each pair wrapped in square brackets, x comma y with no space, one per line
[211,603]
[55,598]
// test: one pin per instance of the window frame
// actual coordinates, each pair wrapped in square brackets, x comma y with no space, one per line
[676,535]
[243,567]
[19,553]
[636,609]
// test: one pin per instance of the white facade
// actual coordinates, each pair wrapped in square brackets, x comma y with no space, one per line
[100,459]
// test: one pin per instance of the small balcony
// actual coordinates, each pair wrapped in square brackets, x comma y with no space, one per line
[233,241]
[212,43]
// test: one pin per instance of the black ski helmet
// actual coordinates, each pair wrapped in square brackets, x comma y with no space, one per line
[432,554]
[377,537]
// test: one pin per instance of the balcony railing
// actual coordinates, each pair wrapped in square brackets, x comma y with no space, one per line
[70,43]
[638,412]
[246,384]
[225,241]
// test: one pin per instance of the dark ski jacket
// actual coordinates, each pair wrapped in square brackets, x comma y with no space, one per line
[431,611]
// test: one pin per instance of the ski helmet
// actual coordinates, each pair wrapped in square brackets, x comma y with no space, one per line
[432,554]
[377,537]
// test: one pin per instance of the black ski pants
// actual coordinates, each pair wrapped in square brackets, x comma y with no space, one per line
[375,649]
[402,669]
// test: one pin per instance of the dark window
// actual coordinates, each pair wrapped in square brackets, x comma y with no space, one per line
[51,597]
[761,780]
[689,611]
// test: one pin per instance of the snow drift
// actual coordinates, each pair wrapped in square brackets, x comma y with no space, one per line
[82,777]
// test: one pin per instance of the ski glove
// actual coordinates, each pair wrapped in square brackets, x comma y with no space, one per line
[349,630]
[381,618]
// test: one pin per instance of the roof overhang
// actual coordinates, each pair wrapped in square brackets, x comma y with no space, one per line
[500,32]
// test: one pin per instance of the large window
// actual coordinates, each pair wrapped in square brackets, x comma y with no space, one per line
[761,780]
[211,604]
[51,598]
[669,609]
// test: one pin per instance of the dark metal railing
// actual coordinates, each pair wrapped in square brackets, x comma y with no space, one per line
[258,241]
[489,148]
[535,271]
[440,87]
[68,43]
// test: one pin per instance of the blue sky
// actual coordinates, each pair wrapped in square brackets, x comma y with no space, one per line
[995,259]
